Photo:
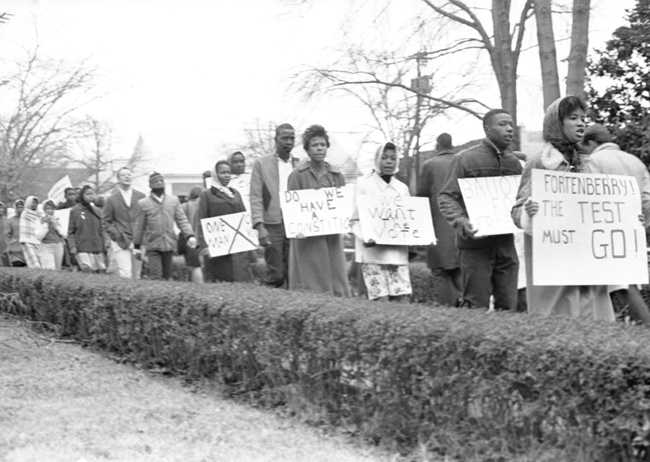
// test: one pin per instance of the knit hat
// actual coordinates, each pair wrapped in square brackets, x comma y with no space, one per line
[156,180]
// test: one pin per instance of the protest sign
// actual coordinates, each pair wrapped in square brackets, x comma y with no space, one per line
[57,191]
[64,220]
[316,212]
[229,234]
[242,184]
[396,220]
[587,230]
[489,201]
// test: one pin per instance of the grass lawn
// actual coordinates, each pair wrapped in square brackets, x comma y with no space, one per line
[60,402]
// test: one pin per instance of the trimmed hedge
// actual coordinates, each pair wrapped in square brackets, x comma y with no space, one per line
[463,382]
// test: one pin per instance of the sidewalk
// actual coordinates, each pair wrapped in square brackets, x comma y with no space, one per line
[60,402]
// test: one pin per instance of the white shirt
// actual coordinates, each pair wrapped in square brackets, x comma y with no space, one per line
[284,169]
[127,195]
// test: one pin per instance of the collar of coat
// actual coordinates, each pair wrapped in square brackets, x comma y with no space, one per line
[305,166]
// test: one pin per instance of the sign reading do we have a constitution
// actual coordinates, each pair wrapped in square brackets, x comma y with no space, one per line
[489,201]
[396,220]
[587,230]
[228,234]
[316,212]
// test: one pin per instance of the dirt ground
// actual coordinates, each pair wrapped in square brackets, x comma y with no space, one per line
[60,402]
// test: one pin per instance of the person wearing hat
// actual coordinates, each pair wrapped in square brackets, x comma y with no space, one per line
[443,257]
[119,215]
[154,228]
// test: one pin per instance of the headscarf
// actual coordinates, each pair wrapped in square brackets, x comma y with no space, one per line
[29,220]
[378,155]
[556,139]
[230,157]
[215,183]
[88,205]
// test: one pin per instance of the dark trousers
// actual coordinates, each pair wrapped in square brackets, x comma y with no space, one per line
[491,270]
[159,264]
[448,285]
[277,256]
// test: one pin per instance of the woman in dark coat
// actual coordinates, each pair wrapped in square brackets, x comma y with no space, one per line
[219,200]
[317,263]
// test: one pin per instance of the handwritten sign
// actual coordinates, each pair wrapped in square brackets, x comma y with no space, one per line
[396,220]
[489,201]
[64,220]
[316,212]
[587,230]
[57,191]
[243,186]
[229,234]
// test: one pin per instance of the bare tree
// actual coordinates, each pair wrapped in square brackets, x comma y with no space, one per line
[36,117]
[547,53]
[575,82]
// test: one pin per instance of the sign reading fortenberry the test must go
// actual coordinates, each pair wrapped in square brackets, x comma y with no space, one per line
[587,230]
[396,220]
[228,234]
[316,212]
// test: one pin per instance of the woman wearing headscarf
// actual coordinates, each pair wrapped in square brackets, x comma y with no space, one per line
[192,259]
[52,243]
[317,263]
[216,201]
[32,231]
[384,267]
[86,236]
[564,128]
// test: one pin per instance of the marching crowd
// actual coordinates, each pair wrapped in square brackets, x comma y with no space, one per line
[129,227]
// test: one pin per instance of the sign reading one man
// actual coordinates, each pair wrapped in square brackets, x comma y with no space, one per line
[489,201]
[316,212]
[228,234]
[587,230]
[396,220]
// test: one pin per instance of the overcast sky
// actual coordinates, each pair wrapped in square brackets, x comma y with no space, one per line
[202,69]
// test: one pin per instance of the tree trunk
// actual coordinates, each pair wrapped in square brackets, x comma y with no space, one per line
[503,58]
[575,82]
[547,54]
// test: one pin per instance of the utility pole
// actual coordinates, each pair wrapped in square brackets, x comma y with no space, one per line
[421,85]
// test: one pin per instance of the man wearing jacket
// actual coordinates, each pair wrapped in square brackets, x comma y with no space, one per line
[120,213]
[154,228]
[488,265]
[268,180]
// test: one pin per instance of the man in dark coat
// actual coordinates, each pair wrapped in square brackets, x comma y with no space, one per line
[443,257]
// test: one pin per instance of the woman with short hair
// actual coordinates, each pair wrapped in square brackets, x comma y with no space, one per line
[317,263]
[86,236]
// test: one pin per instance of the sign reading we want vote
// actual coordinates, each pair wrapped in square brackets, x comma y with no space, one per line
[587,230]
[316,212]
[396,220]
[489,201]
[229,234]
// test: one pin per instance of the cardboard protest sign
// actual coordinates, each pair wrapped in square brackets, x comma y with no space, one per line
[64,219]
[229,234]
[316,212]
[396,220]
[57,191]
[488,201]
[587,230]
[242,184]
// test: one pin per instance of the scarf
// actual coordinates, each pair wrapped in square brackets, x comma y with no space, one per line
[557,141]
[31,224]
[215,183]
[378,153]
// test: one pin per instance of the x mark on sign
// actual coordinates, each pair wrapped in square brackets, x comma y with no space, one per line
[237,232]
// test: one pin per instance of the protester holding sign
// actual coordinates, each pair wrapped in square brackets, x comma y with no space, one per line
[317,263]
[216,201]
[489,264]
[384,267]
[564,128]
[52,243]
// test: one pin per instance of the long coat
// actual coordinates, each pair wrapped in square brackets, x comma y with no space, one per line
[317,263]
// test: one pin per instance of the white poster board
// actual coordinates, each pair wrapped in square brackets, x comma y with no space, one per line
[57,191]
[243,186]
[316,212]
[587,230]
[228,234]
[396,220]
[489,201]
[64,220]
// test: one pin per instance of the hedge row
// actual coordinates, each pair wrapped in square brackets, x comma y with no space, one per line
[462,382]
